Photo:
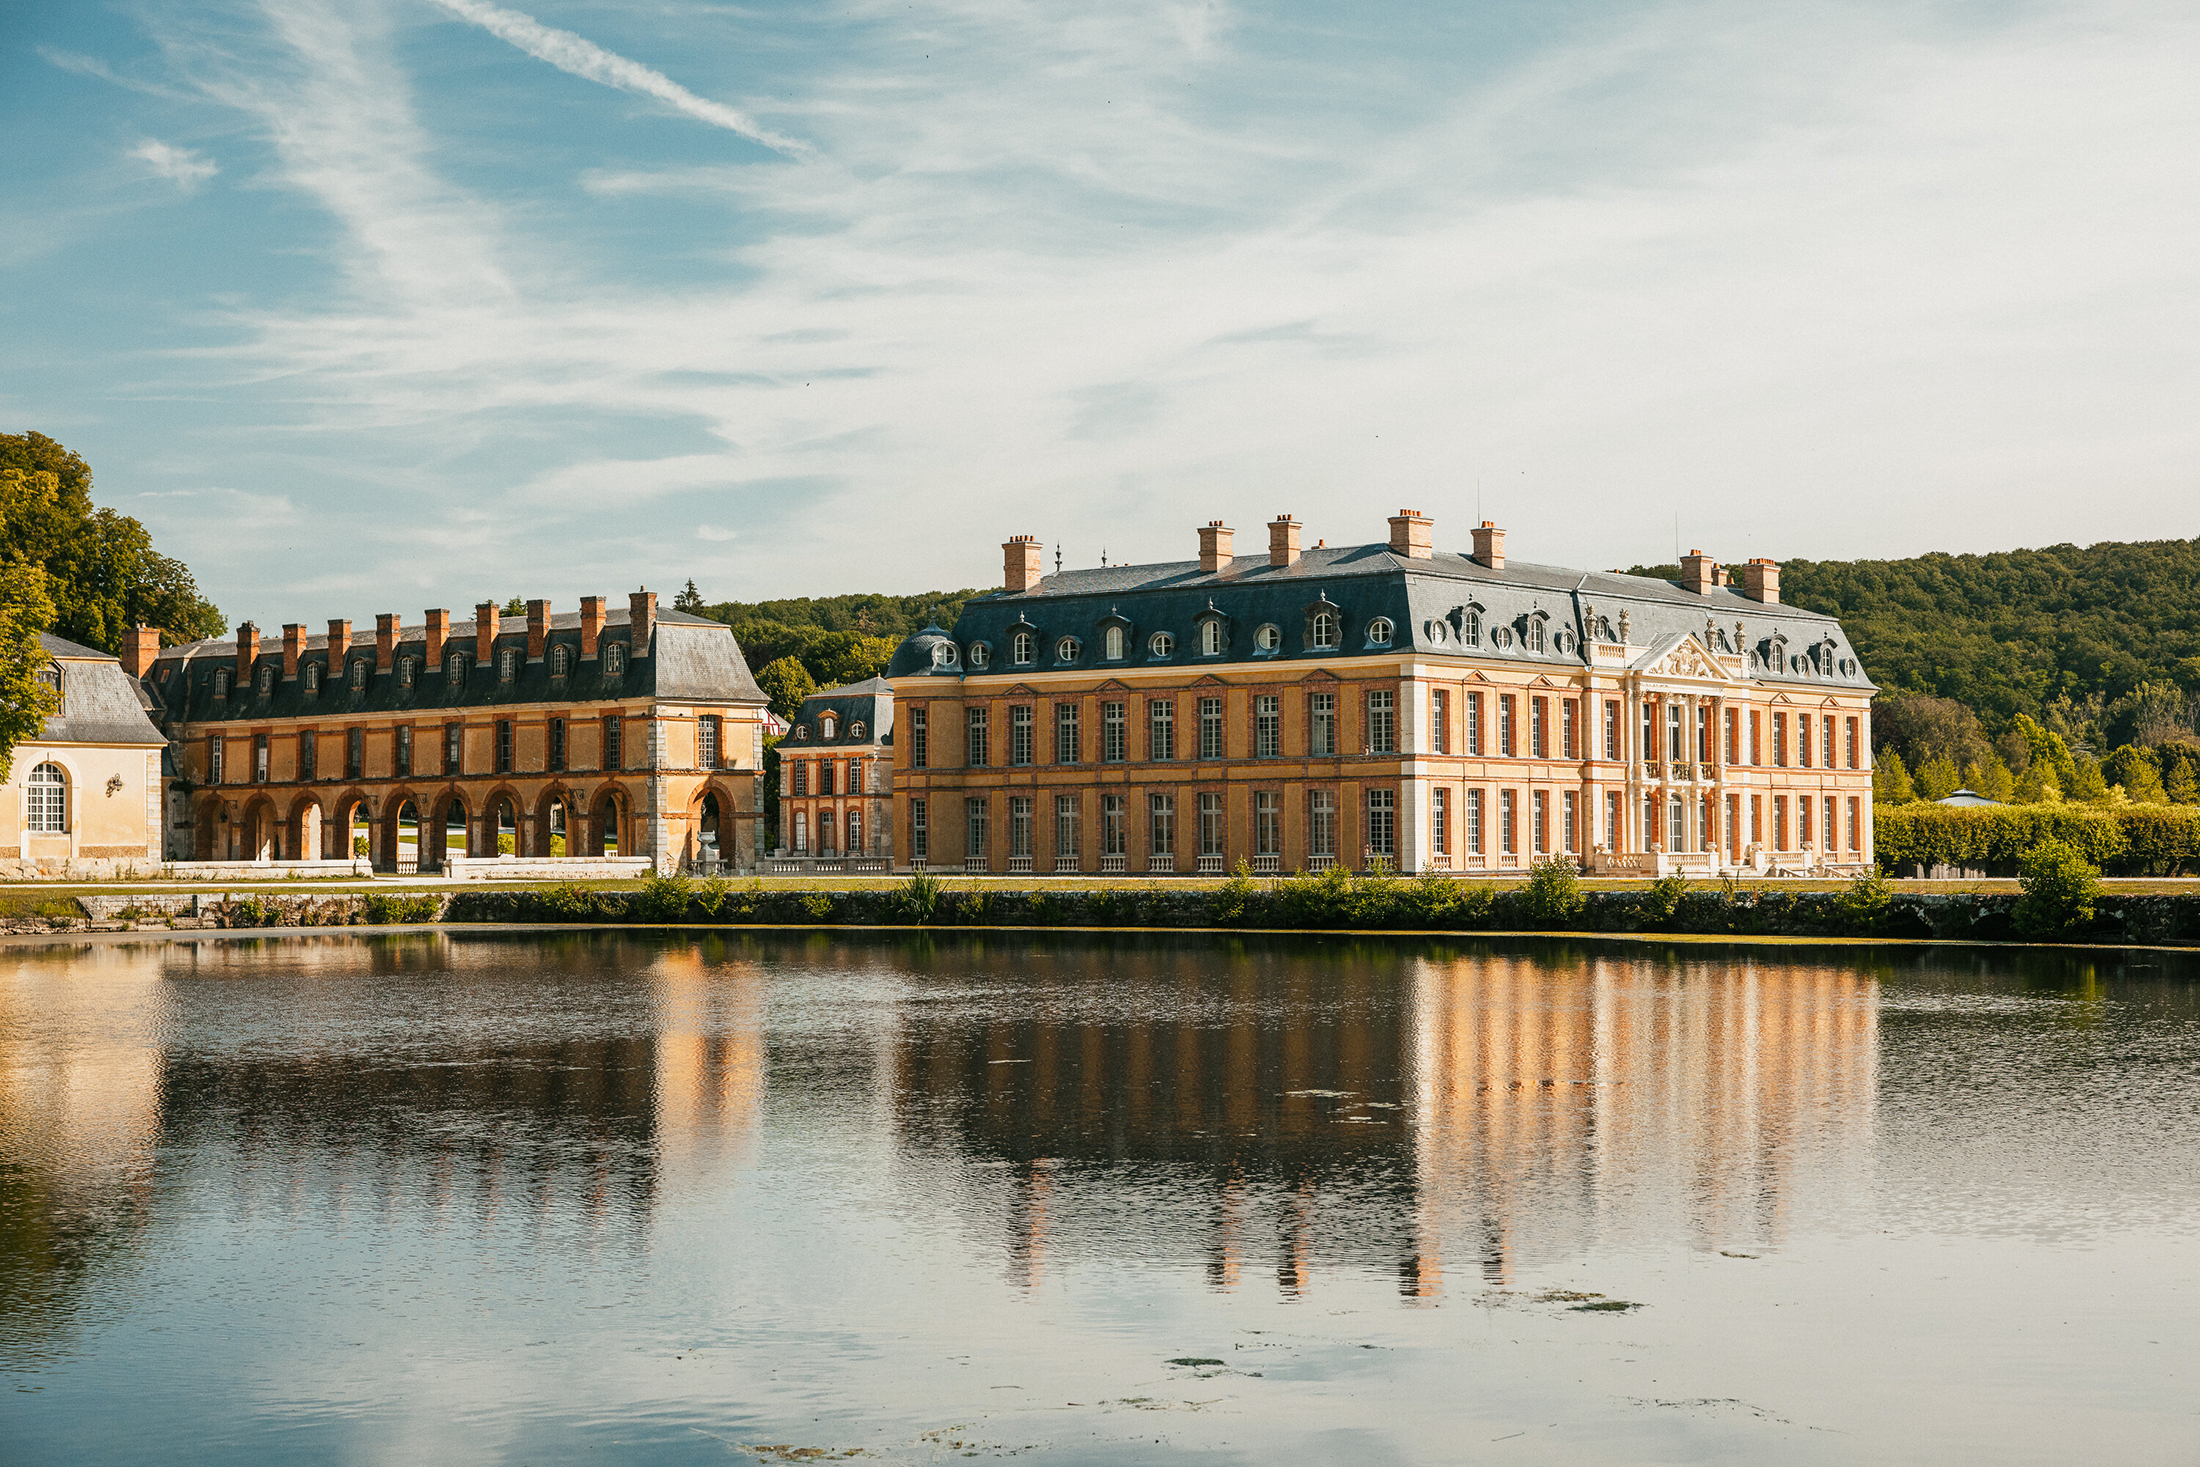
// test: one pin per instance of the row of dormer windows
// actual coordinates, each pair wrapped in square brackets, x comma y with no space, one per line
[455,666]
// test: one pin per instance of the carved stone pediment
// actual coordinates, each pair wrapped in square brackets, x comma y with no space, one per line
[1689,659]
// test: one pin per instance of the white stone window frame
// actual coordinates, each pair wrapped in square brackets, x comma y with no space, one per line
[1023,648]
[1161,646]
[980,656]
[1267,640]
[1068,649]
[47,798]
[1381,632]
[358,674]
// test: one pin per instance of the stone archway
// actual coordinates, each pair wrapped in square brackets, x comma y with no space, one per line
[350,833]
[302,830]
[558,824]
[206,837]
[607,823]
[260,838]
[404,840]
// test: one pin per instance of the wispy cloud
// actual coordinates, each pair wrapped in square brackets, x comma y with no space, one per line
[713,532]
[584,58]
[182,166]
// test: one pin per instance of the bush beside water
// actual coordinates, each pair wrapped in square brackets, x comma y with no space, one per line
[2123,840]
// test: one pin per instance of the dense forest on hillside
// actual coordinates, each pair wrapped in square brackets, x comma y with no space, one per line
[799,645]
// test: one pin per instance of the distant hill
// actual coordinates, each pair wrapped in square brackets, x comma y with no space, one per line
[2067,634]
[833,639]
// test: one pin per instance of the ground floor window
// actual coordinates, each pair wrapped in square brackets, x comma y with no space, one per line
[1321,823]
[48,812]
[1676,823]
[974,818]
[1856,822]
[1382,822]
[1213,829]
[1114,823]
[1161,823]
[1066,837]
[1566,820]
[920,836]
[1267,824]
[801,833]
[1540,805]
[1780,823]
[1611,821]
[1474,822]
[1019,825]
[1439,825]
[1508,820]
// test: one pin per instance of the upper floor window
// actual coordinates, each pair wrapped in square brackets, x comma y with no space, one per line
[267,681]
[1470,628]
[943,654]
[855,729]
[507,664]
[561,660]
[49,676]
[1113,644]
[1210,638]
[1268,638]
[454,668]
[1535,634]
[614,659]
[1379,632]
[47,808]
[221,682]
[405,672]
[801,732]
[1069,649]
[359,675]
[313,677]
[826,725]
[1162,645]
[1325,629]
[1021,648]
[980,654]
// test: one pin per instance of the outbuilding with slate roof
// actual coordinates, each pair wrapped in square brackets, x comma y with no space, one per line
[836,780]
[83,798]
[1382,704]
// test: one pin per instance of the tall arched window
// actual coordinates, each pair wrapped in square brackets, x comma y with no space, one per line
[1535,634]
[358,674]
[1020,648]
[1326,629]
[1470,628]
[313,677]
[559,661]
[1210,638]
[1115,644]
[49,800]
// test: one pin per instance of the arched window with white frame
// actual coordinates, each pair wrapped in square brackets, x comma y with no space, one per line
[1325,630]
[47,809]
[1114,643]
[1210,638]
[1020,649]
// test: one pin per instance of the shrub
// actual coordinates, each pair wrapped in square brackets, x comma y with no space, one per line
[1662,900]
[2060,887]
[507,845]
[381,909]
[1235,898]
[920,899]
[1553,896]
[359,846]
[818,906]
[663,898]
[1864,905]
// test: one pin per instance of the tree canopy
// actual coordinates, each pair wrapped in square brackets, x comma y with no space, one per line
[101,571]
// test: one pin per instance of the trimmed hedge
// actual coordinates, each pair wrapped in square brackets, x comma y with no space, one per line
[2123,840]
[1341,901]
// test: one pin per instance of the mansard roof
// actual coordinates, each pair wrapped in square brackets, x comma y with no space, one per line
[870,702]
[1430,602]
[693,658]
[99,702]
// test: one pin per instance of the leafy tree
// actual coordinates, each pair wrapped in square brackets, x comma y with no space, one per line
[517,606]
[786,683]
[2181,773]
[1990,778]
[2060,887]
[25,611]
[1922,728]
[689,599]
[2049,753]
[838,639]
[2086,783]
[2138,772]
[1938,778]
[1890,780]
[102,573]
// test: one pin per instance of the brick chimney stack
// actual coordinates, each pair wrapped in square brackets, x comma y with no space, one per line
[248,650]
[1215,542]
[1020,563]
[1489,545]
[1699,573]
[641,618]
[388,628]
[438,623]
[1412,534]
[140,647]
[1761,580]
[592,617]
[339,644]
[538,629]
[294,648]
[1283,540]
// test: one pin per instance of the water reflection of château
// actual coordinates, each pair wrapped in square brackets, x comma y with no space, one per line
[1370,1109]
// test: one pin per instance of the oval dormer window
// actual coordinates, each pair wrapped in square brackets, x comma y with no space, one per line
[1379,632]
[801,733]
[1268,638]
[943,654]
[1069,649]
[1162,645]
[980,654]
[855,730]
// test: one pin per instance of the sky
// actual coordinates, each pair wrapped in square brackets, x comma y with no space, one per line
[367,305]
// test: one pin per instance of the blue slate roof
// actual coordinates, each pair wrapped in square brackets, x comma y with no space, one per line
[1432,605]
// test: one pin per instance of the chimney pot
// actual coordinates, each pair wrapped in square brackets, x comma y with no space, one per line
[1283,540]
[1489,545]
[641,621]
[592,619]
[1020,557]
[388,627]
[538,629]
[140,649]
[1215,540]
[1411,534]
[438,632]
[1699,573]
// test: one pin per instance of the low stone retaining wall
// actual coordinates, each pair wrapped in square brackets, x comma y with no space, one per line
[546,868]
[255,870]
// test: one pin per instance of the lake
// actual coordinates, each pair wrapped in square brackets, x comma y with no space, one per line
[533,1198]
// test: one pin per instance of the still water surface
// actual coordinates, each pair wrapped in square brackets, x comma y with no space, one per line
[458,1197]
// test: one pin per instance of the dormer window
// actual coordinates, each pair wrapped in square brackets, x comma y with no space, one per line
[359,675]
[825,726]
[1501,637]
[49,677]
[1111,644]
[1162,645]
[1269,638]
[1379,632]
[943,654]
[855,730]
[454,668]
[405,672]
[980,655]
[614,659]
[561,658]
[1470,628]
[1435,631]
[1069,649]
[801,733]
[1022,648]
[1325,630]
[313,677]
[1535,633]
[507,664]
[1210,638]
[221,682]
[267,681]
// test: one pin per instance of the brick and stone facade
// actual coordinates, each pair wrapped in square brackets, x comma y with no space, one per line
[634,732]
[836,777]
[1380,704]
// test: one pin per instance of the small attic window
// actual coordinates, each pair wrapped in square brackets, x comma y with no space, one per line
[313,677]
[267,681]
[359,675]
[614,658]
[561,659]
[855,729]
[825,726]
